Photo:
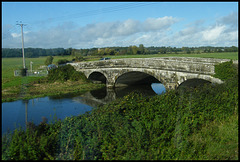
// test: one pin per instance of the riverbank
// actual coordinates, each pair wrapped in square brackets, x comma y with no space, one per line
[190,124]
[17,87]
[29,90]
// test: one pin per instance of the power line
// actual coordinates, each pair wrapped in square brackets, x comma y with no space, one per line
[97,12]
[6,33]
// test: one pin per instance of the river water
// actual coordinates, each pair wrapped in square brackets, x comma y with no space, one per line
[16,114]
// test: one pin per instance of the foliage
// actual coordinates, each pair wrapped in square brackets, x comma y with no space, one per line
[34,52]
[62,61]
[64,73]
[36,143]
[48,60]
[225,70]
[178,125]
[78,59]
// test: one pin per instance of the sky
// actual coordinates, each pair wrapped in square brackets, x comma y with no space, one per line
[107,24]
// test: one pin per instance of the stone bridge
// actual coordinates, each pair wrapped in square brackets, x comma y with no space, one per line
[170,71]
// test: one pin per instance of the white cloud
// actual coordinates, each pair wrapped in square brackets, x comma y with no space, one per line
[222,32]
[213,33]
[153,24]
[14,35]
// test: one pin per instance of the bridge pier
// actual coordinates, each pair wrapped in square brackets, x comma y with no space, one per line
[170,86]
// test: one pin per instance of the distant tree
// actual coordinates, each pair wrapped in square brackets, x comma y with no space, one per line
[129,50]
[49,60]
[135,50]
[163,50]
[141,49]
[109,51]
[101,52]
[68,51]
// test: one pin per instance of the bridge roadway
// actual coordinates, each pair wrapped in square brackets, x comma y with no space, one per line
[170,71]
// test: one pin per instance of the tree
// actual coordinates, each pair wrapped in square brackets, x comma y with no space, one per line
[49,60]
[141,49]
[101,52]
[134,50]
[163,50]
[129,50]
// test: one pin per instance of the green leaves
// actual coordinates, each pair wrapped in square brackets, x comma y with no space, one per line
[225,70]
[64,73]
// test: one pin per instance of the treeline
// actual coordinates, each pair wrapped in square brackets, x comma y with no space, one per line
[131,50]
[34,52]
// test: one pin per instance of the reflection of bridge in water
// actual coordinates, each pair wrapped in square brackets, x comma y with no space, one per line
[106,95]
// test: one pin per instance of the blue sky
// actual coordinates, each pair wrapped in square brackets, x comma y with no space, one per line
[104,24]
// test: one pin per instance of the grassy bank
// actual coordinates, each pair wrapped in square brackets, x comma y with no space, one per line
[32,87]
[193,124]
[15,88]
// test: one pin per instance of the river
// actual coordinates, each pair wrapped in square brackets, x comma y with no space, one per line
[16,114]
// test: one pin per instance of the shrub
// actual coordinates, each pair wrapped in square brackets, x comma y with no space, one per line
[225,70]
[48,60]
[78,59]
[62,61]
[64,73]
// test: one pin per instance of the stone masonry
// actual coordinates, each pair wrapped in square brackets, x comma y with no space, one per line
[170,71]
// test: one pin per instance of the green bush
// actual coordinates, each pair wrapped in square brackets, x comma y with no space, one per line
[36,143]
[62,61]
[225,70]
[49,60]
[64,73]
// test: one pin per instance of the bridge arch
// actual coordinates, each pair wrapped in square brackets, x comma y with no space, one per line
[198,79]
[134,78]
[97,77]
[194,82]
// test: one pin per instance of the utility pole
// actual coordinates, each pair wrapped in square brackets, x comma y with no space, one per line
[31,65]
[24,65]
